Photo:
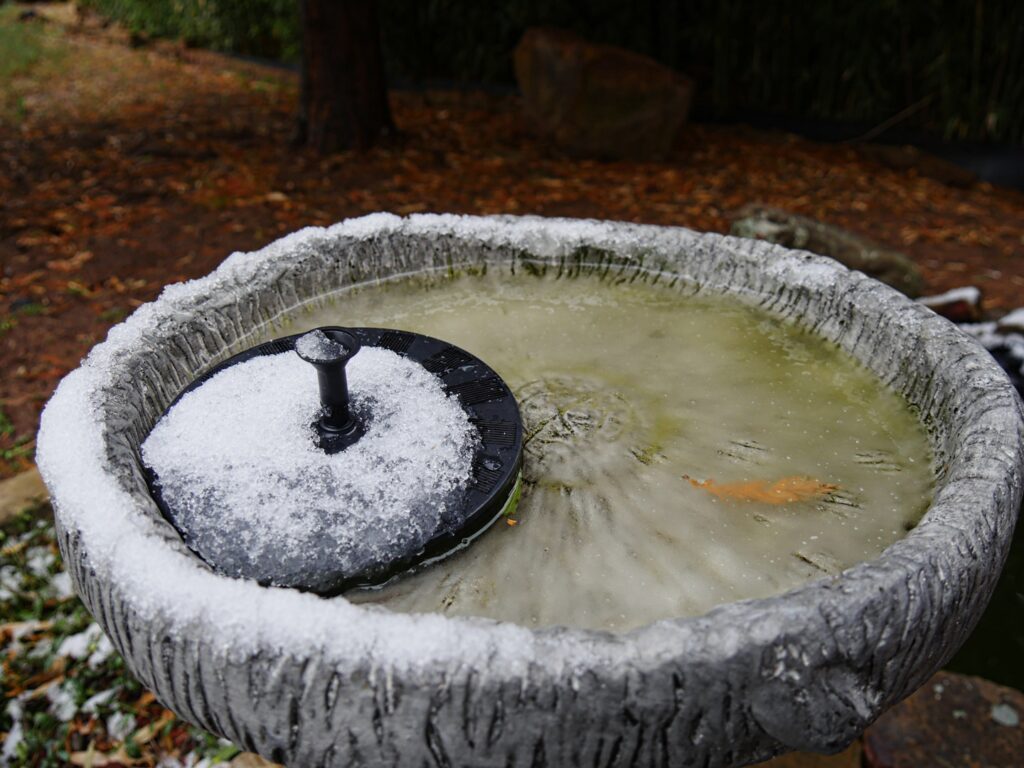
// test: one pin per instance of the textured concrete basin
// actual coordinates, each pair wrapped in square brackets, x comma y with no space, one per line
[308,681]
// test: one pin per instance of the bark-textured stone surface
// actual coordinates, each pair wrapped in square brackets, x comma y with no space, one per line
[952,720]
[307,681]
[783,228]
[598,99]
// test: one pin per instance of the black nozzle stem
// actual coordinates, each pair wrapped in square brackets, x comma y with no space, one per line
[329,350]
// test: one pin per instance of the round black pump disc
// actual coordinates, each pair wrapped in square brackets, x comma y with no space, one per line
[494,483]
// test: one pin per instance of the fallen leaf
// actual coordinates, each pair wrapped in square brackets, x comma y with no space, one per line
[72,264]
[147,732]
[787,490]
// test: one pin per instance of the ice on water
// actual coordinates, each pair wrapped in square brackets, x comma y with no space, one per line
[318,347]
[237,461]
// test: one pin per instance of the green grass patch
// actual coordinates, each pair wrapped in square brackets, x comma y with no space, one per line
[17,447]
[21,43]
[32,309]
[114,314]
[30,52]
[6,425]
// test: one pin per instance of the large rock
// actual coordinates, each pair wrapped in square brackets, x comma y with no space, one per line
[777,226]
[598,99]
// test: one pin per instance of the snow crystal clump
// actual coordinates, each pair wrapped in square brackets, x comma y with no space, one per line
[120,725]
[15,712]
[61,585]
[62,702]
[97,700]
[318,347]
[252,494]
[968,294]
[91,643]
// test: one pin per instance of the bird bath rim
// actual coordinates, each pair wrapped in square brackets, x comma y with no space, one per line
[780,660]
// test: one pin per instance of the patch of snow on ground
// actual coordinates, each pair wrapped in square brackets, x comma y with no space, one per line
[39,561]
[62,702]
[15,711]
[90,642]
[93,703]
[61,584]
[120,725]
[996,336]
[10,581]
[968,294]
[1013,322]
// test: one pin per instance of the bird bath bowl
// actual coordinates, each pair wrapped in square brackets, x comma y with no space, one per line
[308,680]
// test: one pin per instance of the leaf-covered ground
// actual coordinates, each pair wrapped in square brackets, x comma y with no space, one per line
[67,697]
[123,169]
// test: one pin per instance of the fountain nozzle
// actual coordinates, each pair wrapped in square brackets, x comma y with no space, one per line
[329,350]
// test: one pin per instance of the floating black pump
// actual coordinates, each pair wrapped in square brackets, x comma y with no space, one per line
[329,350]
[492,489]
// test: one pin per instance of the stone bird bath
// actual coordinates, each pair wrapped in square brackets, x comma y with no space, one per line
[308,681]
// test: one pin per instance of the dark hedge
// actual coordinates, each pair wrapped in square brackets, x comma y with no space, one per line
[954,69]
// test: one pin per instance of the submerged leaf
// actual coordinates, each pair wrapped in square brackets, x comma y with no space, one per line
[786,490]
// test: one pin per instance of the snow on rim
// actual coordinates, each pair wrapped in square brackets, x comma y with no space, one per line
[162,583]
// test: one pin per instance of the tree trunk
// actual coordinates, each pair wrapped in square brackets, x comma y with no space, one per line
[344,101]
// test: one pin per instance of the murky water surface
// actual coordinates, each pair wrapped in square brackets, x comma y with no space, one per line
[681,452]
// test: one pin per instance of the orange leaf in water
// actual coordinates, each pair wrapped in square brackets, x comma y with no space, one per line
[787,490]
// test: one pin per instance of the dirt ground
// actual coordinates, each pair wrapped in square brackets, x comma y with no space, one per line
[123,169]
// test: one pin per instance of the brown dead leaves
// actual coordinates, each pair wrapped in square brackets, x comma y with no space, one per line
[786,490]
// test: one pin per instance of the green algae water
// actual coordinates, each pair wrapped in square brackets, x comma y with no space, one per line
[680,452]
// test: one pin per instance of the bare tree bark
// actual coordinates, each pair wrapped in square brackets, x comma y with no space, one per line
[344,101]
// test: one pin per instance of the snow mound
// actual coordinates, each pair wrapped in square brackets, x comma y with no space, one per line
[252,494]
